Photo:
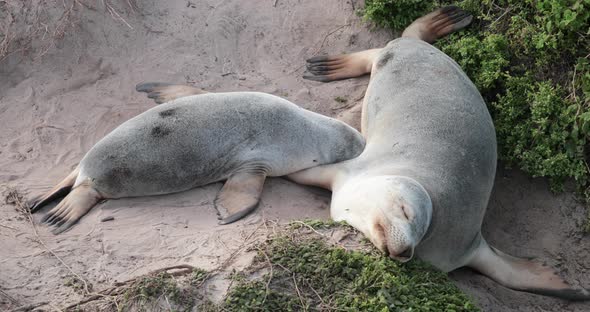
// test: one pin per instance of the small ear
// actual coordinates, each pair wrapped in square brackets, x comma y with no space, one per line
[163,92]
[239,196]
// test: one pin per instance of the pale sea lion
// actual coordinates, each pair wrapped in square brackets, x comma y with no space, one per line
[422,184]
[193,140]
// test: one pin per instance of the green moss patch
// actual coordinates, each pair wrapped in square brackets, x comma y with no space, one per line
[310,275]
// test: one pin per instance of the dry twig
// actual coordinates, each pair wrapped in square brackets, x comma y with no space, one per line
[8,227]
[299,293]
[14,197]
[27,27]
[114,12]
[270,276]
[9,297]
[119,288]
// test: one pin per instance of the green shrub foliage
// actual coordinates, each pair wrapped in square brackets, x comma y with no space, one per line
[531,62]
[309,275]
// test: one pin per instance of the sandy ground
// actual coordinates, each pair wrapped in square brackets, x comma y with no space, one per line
[54,109]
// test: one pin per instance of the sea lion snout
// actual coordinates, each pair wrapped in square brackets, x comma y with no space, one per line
[404,256]
[401,245]
[395,242]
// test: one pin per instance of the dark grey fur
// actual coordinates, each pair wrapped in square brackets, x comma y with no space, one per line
[201,139]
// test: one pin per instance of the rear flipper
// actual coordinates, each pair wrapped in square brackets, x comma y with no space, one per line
[60,190]
[165,92]
[80,200]
[523,275]
[438,24]
[429,28]
[239,196]
[338,67]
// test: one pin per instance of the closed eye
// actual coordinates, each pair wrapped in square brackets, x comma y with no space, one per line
[405,212]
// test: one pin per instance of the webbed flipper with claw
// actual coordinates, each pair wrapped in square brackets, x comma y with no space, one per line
[239,196]
[163,92]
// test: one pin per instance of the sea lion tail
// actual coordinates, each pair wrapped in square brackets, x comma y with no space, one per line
[163,92]
[523,275]
[80,200]
[60,190]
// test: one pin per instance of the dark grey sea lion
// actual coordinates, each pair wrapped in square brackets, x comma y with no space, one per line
[193,140]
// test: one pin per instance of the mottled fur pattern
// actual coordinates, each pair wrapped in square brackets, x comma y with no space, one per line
[241,137]
[200,139]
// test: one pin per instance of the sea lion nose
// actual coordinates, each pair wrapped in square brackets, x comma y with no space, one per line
[404,256]
[408,253]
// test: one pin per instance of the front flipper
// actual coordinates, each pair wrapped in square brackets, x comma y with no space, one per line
[338,67]
[320,176]
[522,274]
[163,92]
[239,196]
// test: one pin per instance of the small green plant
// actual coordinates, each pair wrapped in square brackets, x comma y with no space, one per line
[153,287]
[198,276]
[530,60]
[395,14]
[76,284]
[318,224]
[151,291]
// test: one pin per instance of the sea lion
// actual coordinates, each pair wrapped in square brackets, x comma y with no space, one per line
[197,138]
[422,184]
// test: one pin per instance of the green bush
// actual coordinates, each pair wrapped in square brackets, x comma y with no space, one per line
[395,14]
[531,62]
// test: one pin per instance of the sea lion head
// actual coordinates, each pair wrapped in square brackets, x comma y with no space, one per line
[394,212]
